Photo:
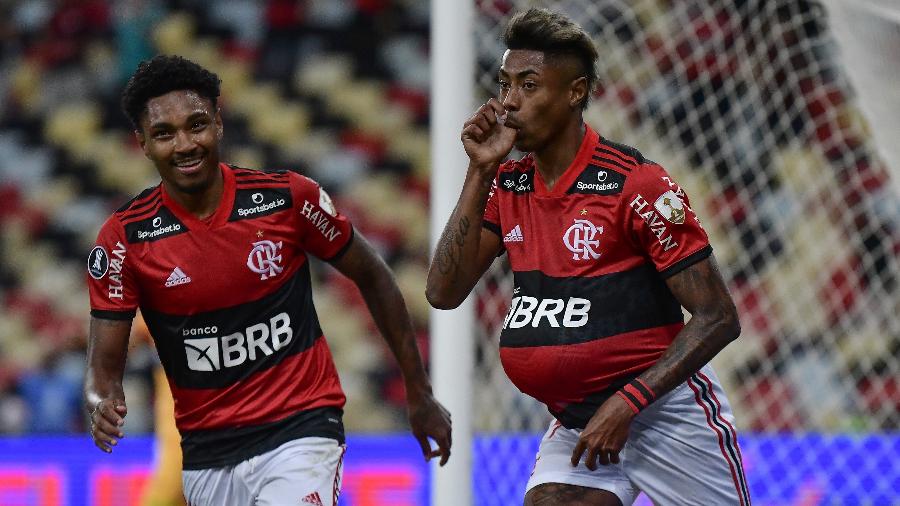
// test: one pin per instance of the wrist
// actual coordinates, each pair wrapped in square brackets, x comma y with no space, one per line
[92,408]
[91,401]
[417,389]
[637,395]
[483,173]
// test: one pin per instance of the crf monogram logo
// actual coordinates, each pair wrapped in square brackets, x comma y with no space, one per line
[580,240]
[264,259]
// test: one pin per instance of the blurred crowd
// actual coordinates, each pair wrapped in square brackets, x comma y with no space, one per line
[743,101]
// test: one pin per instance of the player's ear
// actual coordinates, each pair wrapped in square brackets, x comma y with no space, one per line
[139,135]
[219,124]
[578,91]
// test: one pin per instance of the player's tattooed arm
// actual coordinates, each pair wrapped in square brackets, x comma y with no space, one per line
[465,249]
[103,394]
[714,323]
[448,253]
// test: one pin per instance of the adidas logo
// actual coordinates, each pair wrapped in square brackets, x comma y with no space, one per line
[312,499]
[514,235]
[178,277]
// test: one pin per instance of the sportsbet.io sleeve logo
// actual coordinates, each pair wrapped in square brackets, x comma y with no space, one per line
[98,262]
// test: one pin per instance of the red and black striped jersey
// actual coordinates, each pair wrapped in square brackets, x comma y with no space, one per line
[229,305]
[590,307]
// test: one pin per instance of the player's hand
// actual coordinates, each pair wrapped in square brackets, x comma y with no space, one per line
[107,419]
[486,136]
[428,419]
[605,434]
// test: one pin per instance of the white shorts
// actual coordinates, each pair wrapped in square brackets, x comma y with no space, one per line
[305,471]
[681,450]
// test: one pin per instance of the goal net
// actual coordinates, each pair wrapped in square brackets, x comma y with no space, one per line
[747,105]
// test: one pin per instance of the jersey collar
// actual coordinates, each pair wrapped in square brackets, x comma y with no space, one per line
[568,177]
[222,212]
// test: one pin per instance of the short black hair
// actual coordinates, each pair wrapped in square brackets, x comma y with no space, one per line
[554,34]
[160,75]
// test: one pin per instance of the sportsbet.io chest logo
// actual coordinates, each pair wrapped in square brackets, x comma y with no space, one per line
[158,230]
[258,198]
[163,224]
[258,202]
[265,259]
[581,239]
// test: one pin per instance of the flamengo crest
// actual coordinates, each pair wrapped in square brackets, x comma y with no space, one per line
[265,259]
[580,239]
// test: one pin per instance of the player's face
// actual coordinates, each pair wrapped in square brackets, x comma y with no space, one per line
[540,96]
[180,133]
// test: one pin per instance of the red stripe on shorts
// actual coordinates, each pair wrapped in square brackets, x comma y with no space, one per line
[336,489]
[721,437]
[732,434]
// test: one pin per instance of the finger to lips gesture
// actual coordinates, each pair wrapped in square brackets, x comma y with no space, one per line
[485,136]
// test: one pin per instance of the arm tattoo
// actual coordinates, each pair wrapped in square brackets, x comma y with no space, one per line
[449,251]
[685,356]
[700,340]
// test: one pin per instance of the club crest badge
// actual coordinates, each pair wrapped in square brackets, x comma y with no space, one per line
[265,259]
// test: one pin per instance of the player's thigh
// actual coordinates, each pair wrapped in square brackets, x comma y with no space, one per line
[554,474]
[304,471]
[561,494]
[214,487]
[683,449]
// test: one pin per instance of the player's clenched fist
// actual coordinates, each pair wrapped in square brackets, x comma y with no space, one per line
[107,419]
[487,137]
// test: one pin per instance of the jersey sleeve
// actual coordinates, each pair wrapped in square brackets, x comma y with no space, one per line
[491,218]
[324,232]
[660,221]
[111,284]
